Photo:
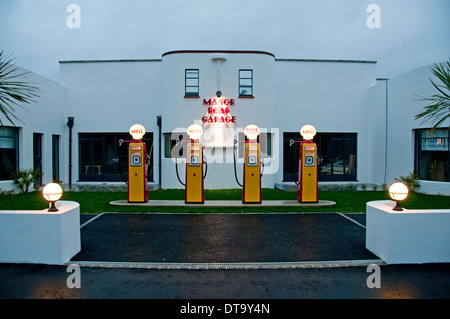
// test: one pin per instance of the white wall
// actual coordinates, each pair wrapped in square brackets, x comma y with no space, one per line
[405,92]
[45,116]
[179,112]
[332,96]
[111,96]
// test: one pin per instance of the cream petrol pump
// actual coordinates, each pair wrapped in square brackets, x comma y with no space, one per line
[194,186]
[137,166]
[308,189]
[251,188]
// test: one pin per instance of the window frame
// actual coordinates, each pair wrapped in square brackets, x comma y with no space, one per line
[11,135]
[430,160]
[191,94]
[242,87]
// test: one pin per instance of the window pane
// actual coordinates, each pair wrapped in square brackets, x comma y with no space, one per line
[9,154]
[245,91]
[191,90]
[245,82]
[192,74]
[192,82]
[245,74]
[433,155]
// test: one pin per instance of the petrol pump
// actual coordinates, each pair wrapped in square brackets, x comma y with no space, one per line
[308,190]
[137,166]
[194,186]
[251,188]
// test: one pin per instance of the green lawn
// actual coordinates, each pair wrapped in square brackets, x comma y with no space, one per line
[98,202]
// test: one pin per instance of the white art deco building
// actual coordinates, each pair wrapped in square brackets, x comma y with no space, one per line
[366,131]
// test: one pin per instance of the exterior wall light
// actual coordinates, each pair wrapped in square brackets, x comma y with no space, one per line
[52,192]
[398,192]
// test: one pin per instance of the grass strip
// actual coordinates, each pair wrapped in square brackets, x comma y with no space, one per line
[98,201]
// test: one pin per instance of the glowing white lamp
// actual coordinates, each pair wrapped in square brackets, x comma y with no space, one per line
[398,192]
[195,131]
[308,132]
[251,131]
[52,192]
[137,131]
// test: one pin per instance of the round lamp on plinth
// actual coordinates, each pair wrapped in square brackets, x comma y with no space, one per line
[398,192]
[52,192]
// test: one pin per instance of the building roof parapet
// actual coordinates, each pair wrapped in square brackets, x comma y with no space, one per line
[219,51]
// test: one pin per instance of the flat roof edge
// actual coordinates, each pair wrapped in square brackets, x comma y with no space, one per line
[219,51]
[324,60]
[107,61]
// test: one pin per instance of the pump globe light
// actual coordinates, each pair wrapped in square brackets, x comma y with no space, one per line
[308,132]
[398,192]
[137,131]
[194,131]
[52,192]
[251,131]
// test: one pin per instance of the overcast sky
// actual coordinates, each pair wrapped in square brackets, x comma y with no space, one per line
[412,33]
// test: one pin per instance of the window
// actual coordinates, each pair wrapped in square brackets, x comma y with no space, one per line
[55,158]
[245,83]
[191,82]
[37,155]
[432,155]
[336,156]
[170,141]
[265,144]
[9,151]
[102,159]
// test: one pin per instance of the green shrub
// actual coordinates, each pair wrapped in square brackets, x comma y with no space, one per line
[24,178]
[411,181]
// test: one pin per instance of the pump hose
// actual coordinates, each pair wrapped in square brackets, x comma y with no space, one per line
[176,169]
[120,166]
[206,166]
[262,167]
[234,161]
[291,142]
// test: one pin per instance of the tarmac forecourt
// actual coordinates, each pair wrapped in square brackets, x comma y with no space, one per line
[223,241]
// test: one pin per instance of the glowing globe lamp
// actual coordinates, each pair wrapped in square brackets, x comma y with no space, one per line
[251,131]
[398,192]
[52,192]
[308,132]
[195,131]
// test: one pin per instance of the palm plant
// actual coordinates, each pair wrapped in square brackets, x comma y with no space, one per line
[13,91]
[439,110]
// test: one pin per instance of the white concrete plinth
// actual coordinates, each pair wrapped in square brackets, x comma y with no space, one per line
[40,236]
[408,236]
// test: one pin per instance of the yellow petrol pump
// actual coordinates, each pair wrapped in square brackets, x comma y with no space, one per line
[251,188]
[308,191]
[194,186]
[137,166]
[194,190]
